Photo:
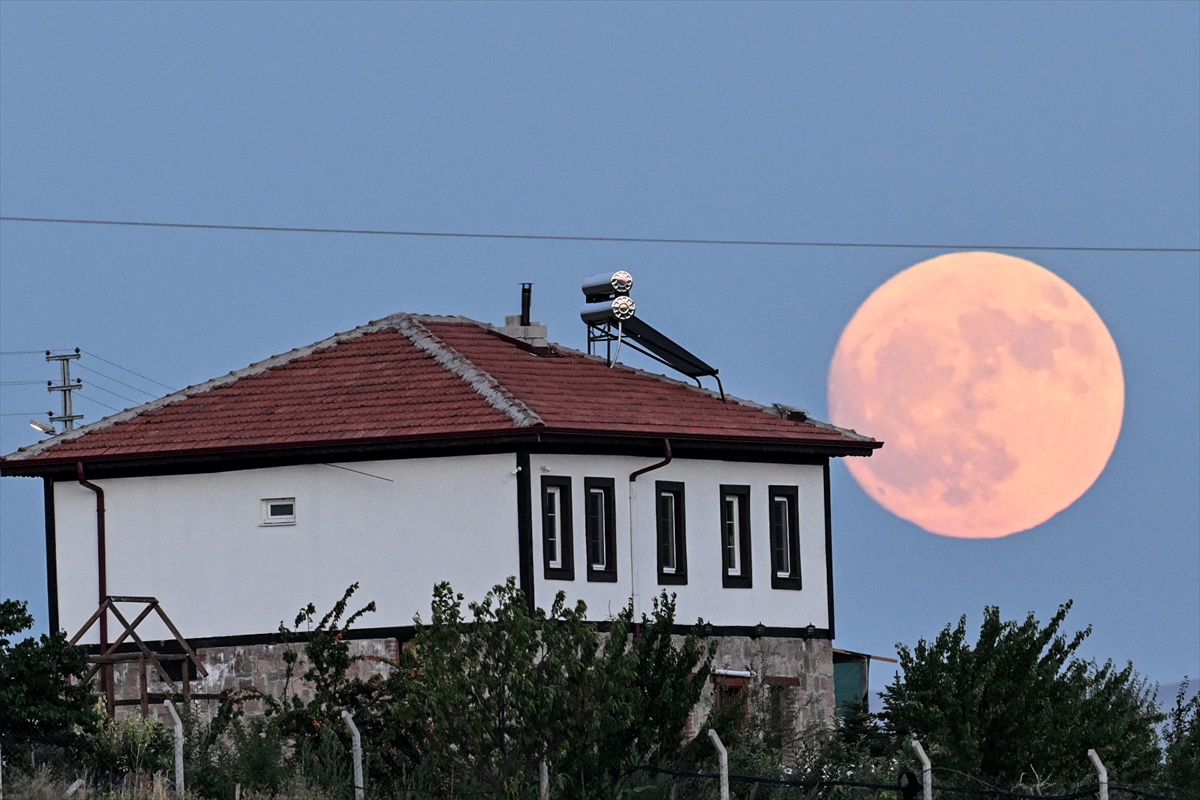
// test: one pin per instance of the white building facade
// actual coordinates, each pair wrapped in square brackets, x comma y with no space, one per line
[472,457]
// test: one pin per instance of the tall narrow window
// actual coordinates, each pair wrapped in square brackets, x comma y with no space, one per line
[557,550]
[596,519]
[601,528]
[672,535]
[785,537]
[554,527]
[733,550]
[735,537]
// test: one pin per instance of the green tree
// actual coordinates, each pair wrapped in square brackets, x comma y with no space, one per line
[478,701]
[510,688]
[131,745]
[640,693]
[1181,737]
[1019,707]
[38,704]
[500,690]
[254,753]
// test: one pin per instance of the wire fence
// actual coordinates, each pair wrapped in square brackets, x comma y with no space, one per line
[686,785]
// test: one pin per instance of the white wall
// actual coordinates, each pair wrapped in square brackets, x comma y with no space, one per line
[195,542]
[703,596]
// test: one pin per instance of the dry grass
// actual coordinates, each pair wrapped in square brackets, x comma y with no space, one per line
[44,786]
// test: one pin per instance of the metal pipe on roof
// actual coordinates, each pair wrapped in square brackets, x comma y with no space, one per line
[633,476]
[526,304]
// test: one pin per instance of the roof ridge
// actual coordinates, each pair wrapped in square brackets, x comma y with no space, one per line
[478,379]
[200,388]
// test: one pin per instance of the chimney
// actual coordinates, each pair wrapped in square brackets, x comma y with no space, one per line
[520,326]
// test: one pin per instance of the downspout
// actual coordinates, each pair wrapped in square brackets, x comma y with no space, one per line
[633,476]
[101,558]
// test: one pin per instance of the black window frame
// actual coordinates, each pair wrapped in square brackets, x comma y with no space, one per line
[743,579]
[566,570]
[792,494]
[609,487]
[679,576]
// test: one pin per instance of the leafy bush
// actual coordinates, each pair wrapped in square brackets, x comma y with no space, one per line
[541,687]
[132,746]
[247,751]
[474,704]
[39,707]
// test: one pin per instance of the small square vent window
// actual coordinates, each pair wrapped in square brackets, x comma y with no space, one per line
[279,511]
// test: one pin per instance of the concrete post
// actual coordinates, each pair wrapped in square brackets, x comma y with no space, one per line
[356,751]
[723,755]
[179,789]
[926,770]
[1101,773]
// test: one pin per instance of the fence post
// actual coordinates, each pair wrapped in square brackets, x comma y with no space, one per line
[179,790]
[356,750]
[1101,773]
[926,770]
[723,754]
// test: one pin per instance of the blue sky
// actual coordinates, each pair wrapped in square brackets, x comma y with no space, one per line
[988,123]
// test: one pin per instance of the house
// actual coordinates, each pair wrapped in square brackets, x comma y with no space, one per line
[417,449]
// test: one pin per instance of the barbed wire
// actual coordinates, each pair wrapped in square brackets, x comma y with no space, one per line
[1087,791]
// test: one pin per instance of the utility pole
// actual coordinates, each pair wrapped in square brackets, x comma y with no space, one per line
[68,417]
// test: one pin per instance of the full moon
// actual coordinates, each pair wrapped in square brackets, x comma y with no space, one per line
[996,389]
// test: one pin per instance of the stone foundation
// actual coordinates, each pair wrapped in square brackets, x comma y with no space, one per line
[793,678]
[242,667]
[796,674]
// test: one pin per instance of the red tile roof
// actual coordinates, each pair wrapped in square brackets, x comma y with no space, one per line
[409,377]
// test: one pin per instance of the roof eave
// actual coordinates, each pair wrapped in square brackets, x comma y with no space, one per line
[253,456]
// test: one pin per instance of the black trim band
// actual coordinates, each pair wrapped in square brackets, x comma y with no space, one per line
[525,527]
[540,440]
[828,549]
[51,555]
[405,633]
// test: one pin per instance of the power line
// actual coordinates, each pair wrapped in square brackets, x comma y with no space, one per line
[616,239]
[114,380]
[97,402]
[95,385]
[22,383]
[22,413]
[131,372]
